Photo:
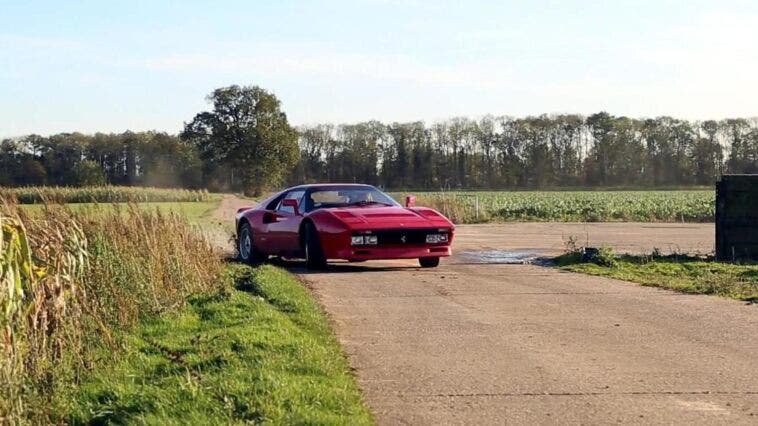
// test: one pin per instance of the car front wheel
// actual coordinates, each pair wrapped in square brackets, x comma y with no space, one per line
[429,262]
[246,250]
[314,254]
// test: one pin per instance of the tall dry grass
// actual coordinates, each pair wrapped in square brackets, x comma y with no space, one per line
[71,282]
[101,194]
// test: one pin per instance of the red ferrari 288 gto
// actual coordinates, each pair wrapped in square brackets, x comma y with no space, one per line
[341,221]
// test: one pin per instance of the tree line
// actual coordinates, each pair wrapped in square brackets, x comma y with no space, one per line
[246,143]
[75,159]
[599,150]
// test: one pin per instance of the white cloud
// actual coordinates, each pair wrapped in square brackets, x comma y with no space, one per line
[314,63]
[8,41]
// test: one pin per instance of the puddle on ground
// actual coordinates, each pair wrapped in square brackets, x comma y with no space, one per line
[510,257]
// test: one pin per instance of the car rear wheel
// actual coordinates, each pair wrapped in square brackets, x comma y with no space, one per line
[429,262]
[246,250]
[314,254]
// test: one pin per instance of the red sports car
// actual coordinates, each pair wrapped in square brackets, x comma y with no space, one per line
[341,221]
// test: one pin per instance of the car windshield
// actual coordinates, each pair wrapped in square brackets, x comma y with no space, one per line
[344,197]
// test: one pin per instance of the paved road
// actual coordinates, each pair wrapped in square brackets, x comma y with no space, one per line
[509,343]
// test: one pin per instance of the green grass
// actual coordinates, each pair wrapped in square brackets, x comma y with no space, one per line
[680,273]
[263,352]
[571,206]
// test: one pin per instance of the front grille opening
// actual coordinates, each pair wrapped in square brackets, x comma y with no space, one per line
[404,236]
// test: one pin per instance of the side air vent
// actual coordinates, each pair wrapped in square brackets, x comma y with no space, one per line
[430,213]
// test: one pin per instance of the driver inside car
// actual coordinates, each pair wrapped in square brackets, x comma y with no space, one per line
[360,197]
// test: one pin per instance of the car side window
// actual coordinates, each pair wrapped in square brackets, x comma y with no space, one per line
[297,195]
[274,204]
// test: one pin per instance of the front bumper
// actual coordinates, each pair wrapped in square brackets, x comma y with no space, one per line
[361,253]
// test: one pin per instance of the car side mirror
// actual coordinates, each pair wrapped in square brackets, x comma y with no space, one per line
[410,201]
[291,202]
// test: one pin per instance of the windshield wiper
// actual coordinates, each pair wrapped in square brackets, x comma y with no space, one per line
[365,203]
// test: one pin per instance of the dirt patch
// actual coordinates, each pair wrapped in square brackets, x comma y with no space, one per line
[219,228]
[229,205]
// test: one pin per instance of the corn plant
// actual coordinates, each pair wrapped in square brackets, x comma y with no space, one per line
[16,278]
[40,275]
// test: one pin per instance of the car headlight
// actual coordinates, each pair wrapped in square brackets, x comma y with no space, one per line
[436,238]
[359,240]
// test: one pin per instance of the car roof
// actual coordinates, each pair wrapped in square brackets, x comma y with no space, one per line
[328,186]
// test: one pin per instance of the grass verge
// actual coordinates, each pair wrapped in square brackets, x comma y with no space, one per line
[681,273]
[261,352]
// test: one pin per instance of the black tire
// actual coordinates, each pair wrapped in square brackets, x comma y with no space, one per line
[246,250]
[429,262]
[314,254]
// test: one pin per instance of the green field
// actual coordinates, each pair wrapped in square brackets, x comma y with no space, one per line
[571,206]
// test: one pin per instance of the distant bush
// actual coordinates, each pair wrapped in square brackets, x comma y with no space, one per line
[89,173]
[101,194]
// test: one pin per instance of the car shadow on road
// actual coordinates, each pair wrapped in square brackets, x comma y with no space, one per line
[296,266]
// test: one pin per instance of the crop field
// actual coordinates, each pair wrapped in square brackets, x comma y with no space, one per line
[102,194]
[194,212]
[571,206]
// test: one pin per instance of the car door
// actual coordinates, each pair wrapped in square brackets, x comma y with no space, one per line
[261,236]
[283,230]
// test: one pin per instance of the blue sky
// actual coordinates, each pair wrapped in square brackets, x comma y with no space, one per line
[142,65]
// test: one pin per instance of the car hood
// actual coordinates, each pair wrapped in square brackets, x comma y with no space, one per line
[390,217]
